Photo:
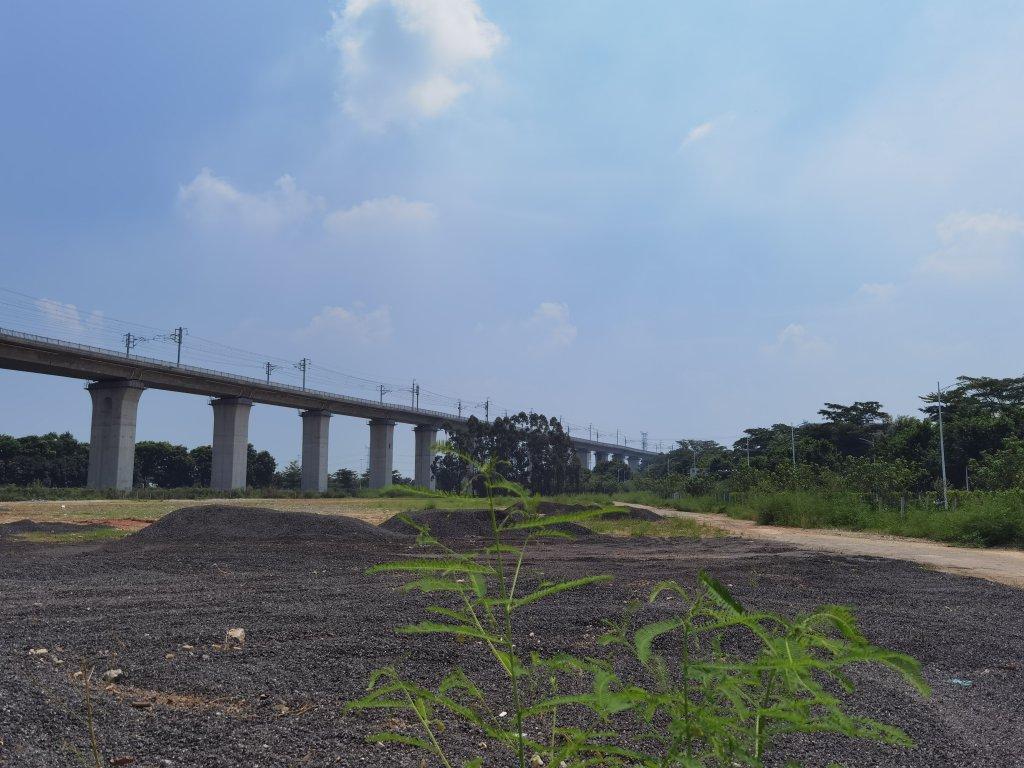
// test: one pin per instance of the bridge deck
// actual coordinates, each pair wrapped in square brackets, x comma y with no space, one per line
[38,354]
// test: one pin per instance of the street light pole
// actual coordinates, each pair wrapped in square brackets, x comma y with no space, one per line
[942,451]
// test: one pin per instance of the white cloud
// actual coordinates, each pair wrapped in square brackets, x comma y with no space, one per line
[68,318]
[877,291]
[796,339]
[704,130]
[212,201]
[354,325]
[977,246]
[549,326]
[382,213]
[699,132]
[405,60]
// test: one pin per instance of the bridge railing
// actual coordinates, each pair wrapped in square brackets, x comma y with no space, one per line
[169,367]
[112,356]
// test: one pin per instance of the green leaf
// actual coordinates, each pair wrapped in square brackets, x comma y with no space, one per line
[720,593]
[479,584]
[434,628]
[547,590]
[432,584]
[432,566]
[667,586]
[646,635]
[548,521]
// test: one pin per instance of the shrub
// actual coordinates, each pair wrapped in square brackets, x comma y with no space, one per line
[703,704]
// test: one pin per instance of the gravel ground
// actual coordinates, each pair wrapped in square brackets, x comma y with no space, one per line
[317,625]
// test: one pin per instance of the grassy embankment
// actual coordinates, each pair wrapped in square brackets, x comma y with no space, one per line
[975,518]
[117,516]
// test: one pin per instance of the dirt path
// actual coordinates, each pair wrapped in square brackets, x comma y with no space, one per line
[1005,566]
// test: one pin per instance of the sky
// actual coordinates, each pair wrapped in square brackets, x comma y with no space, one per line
[676,218]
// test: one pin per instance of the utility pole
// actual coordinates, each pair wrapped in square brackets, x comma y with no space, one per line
[643,441]
[748,452]
[129,343]
[383,391]
[270,368]
[487,410]
[417,397]
[412,391]
[460,409]
[942,451]
[616,437]
[792,443]
[302,365]
[590,431]
[178,336]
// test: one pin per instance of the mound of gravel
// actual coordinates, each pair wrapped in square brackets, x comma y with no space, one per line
[633,513]
[557,507]
[211,524]
[462,523]
[31,526]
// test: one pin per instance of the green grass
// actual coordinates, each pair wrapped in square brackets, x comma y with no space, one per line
[88,535]
[669,528]
[976,519]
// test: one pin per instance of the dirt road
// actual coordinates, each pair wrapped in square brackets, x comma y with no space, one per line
[1005,566]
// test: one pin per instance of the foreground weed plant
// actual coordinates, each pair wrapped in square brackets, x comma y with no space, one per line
[718,684]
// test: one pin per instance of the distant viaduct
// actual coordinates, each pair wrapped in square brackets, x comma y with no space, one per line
[118,381]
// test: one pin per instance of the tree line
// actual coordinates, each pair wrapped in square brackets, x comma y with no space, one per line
[60,461]
[862,447]
[856,447]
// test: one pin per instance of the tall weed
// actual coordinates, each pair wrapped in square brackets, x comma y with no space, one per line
[717,684]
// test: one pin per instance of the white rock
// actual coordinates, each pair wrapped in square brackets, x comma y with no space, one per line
[38,652]
[234,637]
[113,675]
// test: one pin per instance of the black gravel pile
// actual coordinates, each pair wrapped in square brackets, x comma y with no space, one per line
[633,513]
[213,524]
[30,526]
[317,623]
[448,524]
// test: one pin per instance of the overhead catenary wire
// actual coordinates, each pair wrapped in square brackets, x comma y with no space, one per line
[65,321]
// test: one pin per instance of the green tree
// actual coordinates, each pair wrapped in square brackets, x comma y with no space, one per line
[532,450]
[1000,470]
[54,460]
[260,468]
[344,480]
[289,478]
[202,457]
[163,465]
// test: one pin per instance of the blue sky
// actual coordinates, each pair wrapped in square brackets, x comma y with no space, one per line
[682,218]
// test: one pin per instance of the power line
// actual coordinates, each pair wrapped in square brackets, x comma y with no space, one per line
[62,320]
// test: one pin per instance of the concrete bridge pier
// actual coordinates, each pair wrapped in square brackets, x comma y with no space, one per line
[634,463]
[230,442]
[618,457]
[426,436]
[583,455]
[315,427]
[599,456]
[382,452]
[115,408]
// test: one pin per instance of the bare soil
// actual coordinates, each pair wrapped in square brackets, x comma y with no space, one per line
[316,626]
[1005,566]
